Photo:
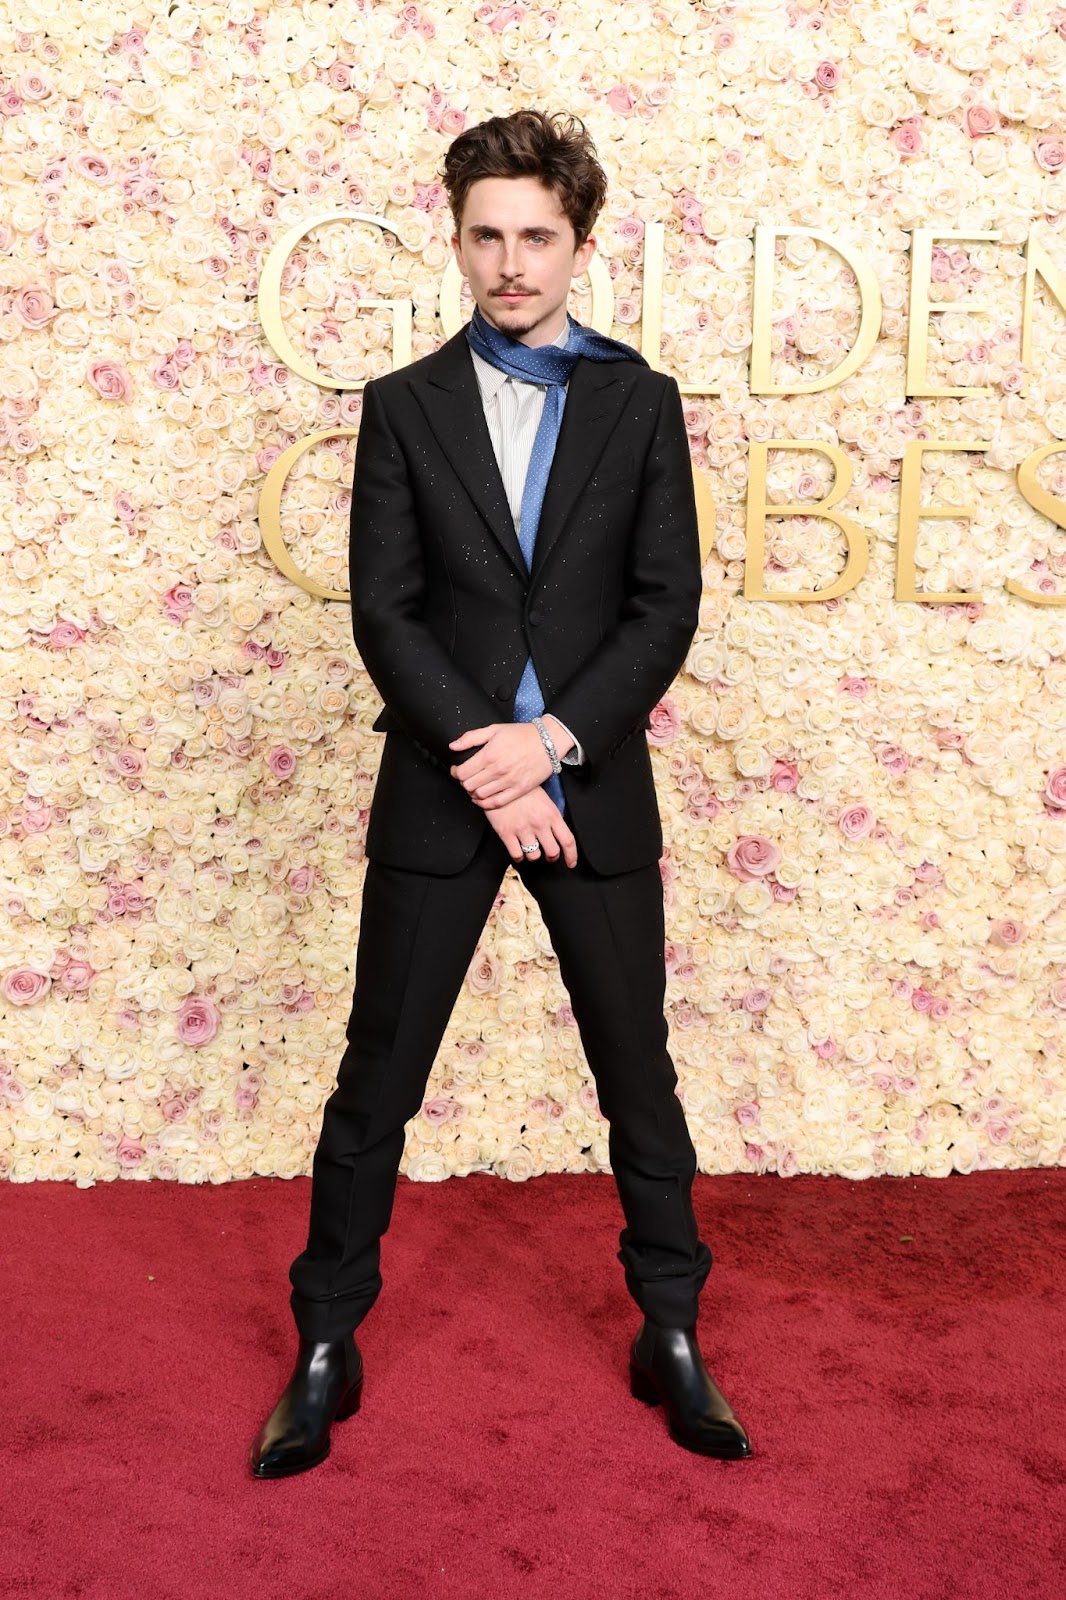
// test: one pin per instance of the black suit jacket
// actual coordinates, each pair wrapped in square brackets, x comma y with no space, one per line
[444,612]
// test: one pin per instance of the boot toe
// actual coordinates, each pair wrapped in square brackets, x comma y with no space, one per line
[716,1437]
[284,1458]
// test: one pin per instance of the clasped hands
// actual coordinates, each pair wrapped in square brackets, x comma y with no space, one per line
[504,778]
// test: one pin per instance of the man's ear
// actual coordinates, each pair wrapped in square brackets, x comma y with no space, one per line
[458,253]
[583,255]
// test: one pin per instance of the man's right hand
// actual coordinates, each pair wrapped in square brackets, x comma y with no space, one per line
[534,816]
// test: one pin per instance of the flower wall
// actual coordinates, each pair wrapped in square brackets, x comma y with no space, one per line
[864,800]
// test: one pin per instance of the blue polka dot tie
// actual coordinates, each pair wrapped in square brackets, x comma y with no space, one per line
[549,364]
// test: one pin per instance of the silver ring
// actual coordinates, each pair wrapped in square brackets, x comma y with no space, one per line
[528,849]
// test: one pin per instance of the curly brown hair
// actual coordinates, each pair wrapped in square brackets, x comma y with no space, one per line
[556,148]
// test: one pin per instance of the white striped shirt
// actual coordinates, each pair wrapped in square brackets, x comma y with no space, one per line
[513,409]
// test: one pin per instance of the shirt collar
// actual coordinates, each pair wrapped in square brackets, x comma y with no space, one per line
[492,379]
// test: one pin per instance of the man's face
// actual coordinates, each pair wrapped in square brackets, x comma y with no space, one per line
[516,249]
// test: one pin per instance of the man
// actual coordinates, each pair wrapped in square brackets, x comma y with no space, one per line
[525,580]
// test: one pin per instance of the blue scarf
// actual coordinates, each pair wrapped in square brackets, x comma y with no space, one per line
[550,364]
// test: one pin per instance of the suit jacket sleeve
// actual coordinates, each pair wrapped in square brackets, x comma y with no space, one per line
[609,697]
[410,668]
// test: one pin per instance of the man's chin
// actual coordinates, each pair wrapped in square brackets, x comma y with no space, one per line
[516,321]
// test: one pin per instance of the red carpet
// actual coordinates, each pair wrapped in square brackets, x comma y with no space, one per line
[905,1397]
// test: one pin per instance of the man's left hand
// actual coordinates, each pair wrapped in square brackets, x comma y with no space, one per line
[512,761]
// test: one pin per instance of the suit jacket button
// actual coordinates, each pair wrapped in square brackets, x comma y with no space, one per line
[534,618]
[502,692]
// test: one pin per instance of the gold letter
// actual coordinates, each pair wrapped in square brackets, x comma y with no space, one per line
[763,305]
[759,510]
[270,513]
[705,512]
[1049,504]
[920,307]
[910,511]
[270,303]
[1037,260]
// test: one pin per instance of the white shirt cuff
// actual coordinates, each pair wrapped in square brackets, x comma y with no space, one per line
[575,756]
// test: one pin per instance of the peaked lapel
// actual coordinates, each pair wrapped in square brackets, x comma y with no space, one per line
[449,395]
[448,391]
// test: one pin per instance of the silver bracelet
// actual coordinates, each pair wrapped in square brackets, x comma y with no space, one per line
[549,744]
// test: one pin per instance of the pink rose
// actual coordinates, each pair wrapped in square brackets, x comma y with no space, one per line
[753,856]
[22,986]
[784,776]
[980,119]
[301,879]
[110,380]
[1005,931]
[1057,993]
[452,121]
[128,762]
[483,975]
[755,1000]
[505,16]
[129,1151]
[907,139]
[859,688]
[665,722]
[747,1114]
[1055,789]
[1049,149]
[33,306]
[178,601]
[684,1015]
[65,634]
[282,761]
[36,816]
[855,822]
[165,374]
[620,100]
[197,1021]
[825,1049]
[827,75]
[76,977]
[441,1109]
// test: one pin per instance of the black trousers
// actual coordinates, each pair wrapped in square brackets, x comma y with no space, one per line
[417,937]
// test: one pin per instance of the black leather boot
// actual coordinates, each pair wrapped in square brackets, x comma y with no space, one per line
[665,1365]
[326,1386]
